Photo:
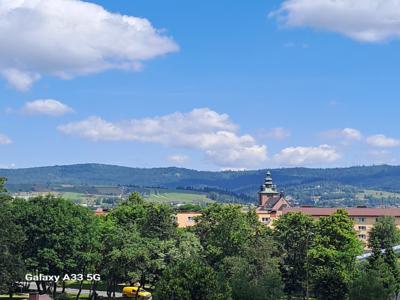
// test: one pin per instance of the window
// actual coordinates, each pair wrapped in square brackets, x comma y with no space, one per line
[191,219]
[361,219]
[362,236]
[265,220]
[362,228]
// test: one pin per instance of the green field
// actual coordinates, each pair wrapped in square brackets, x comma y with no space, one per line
[179,197]
[377,194]
[73,196]
[109,195]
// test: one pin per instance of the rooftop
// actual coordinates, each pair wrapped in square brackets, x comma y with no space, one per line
[353,211]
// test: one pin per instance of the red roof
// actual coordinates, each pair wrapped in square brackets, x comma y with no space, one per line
[353,211]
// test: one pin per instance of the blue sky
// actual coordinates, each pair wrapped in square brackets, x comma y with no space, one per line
[206,85]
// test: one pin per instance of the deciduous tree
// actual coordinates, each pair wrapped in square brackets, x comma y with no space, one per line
[224,230]
[11,243]
[383,237]
[373,283]
[295,233]
[333,256]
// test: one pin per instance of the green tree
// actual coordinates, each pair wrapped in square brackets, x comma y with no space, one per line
[186,267]
[255,274]
[11,243]
[190,279]
[373,283]
[2,183]
[112,265]
[333,256]
[139,241]
[383,236]
[59,236]
[224,230]
[294,233]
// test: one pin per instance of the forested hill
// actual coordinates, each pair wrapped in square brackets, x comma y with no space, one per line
[383,177]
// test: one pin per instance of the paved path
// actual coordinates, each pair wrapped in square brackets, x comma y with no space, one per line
[33,287]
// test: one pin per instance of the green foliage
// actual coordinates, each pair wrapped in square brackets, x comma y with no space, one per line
[138,242]
[383,236]
[255,274]
[190,279]
[295,233]
[333,256]
[2,183]
[11,243]
[228,254]
[190,207]
[61,237]
[224,231]
[374,282]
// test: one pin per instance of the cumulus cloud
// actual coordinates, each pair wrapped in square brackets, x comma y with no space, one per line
[382,141]
[297,156]
[277,133]
[178,159]
[4,140]
[202,129]
[349,134]
[67,38]
[48,107]
[19,79]
[363,20]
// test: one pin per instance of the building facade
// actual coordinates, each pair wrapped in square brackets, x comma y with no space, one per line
[272,204]
[364,218]
[270,201]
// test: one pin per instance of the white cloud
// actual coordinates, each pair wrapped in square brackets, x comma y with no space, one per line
[349,134]
[298,156]
[380,140]
[352,134]
[8,166]
[178,159]
[277,133]
[202,129]
[48,107]
[67,38]
[363,20]
[5,140]
[19,79]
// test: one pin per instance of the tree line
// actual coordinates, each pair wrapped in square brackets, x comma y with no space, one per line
[228,254]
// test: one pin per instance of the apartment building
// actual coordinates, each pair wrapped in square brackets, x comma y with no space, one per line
[364,218]
[272,204]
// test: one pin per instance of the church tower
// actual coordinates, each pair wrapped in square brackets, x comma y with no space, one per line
[269,197]
[267,191]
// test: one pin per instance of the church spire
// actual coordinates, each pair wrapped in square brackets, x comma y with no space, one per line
[268,187]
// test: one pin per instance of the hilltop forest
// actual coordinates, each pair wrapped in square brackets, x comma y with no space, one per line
[363,185]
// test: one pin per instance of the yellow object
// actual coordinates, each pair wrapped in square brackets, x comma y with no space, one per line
[130,291]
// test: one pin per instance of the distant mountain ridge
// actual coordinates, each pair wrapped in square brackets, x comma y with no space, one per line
[381,177]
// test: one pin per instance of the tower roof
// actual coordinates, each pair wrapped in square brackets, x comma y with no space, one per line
[268,187]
